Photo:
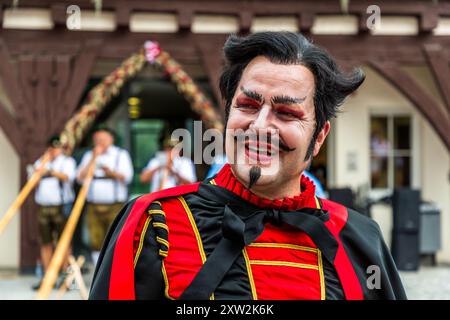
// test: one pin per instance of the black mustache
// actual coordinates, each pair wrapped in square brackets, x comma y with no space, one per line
[283,146]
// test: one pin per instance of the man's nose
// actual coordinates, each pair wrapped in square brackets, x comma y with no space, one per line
[263,120]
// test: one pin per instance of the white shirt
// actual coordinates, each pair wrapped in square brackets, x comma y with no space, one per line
[181,165]
[49,192]
[109,191]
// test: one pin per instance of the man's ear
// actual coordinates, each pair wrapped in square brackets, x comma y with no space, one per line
[321,137]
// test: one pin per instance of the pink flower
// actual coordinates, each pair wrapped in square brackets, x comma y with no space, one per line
[152,50]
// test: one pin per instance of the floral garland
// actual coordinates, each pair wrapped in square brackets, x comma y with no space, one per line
[185,85]
[111,85]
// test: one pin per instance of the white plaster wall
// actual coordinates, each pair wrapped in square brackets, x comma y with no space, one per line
[432,161]
[435,182]
[9,188]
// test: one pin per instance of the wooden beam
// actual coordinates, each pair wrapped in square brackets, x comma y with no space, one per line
[401,8]
[185,17]
[428,20]
[421,99]
[9,78]
[245,21]
[27,80]
[29,243]
[306,21]
[1,16]
[123,13]
[59,14]
[211,54]
[257,7]
[44,100]
[79,79]
[362,26]
[61,77]
[439,65]
[120,45]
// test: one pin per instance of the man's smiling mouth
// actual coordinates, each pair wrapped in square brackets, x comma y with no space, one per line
[260,152]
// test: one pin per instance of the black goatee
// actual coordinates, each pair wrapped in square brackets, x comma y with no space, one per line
[254,175]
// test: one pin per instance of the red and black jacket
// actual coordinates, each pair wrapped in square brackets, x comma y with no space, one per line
[159,243]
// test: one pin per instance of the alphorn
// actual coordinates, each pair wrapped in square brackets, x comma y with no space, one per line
[165,173]
[59,255]
[162,181]
[24,193]
[75,275]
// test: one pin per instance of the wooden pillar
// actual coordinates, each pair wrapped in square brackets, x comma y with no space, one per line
[210,52]
[438,62]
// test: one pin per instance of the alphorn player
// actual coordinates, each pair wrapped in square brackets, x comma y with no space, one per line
[53,195]
[168,169]
[255,230]
[109,188]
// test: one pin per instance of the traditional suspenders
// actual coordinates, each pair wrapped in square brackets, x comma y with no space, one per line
[116,187]
[60,183]
[114,181]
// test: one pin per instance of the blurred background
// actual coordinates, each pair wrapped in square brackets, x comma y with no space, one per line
[387,154]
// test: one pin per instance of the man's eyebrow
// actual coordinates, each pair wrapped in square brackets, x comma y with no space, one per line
[253,95]
[286,100]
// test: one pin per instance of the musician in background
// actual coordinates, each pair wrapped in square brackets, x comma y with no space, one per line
[53,195]
[167,169]
[109,188]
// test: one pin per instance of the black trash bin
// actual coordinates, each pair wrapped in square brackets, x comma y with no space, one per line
[405,233]
[430,230]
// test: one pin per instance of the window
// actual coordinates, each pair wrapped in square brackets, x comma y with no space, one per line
[390,151]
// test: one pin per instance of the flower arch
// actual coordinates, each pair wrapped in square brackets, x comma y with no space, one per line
[101,94]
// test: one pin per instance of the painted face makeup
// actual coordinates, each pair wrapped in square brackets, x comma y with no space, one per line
[270,125]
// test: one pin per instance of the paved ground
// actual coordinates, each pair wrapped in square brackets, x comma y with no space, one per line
[428,283]
[19,287]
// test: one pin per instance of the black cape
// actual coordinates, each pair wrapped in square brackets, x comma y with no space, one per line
[361,238]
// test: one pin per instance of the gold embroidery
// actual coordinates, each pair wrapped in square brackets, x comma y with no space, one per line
[284,264]
[322,281]
[320,263]
[162,241]
[166,282]
[197,234]
[250,274]
[283,245]
[157,211]
[319,267]
[160,225]
[317,202]
[163,253]
[141,240]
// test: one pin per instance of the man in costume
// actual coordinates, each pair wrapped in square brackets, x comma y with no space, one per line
[109,188]
[255,230]
[53,193]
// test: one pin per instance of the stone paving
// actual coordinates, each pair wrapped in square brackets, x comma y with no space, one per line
[429,283]
[19,287]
